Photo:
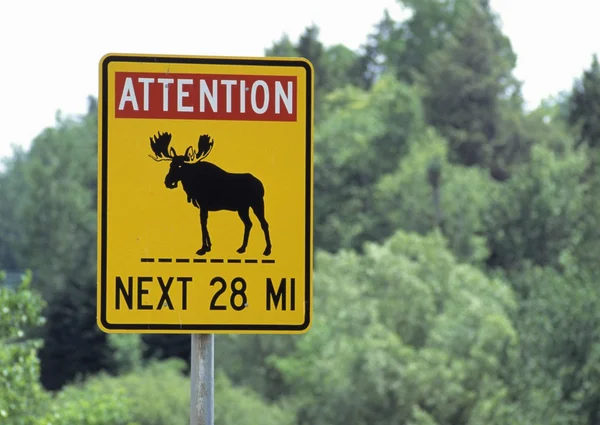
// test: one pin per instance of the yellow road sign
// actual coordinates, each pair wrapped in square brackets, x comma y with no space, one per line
[205,194]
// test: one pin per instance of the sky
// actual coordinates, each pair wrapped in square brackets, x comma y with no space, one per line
[50,49]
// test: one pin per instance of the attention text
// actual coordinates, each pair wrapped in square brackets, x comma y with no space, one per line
[205,96]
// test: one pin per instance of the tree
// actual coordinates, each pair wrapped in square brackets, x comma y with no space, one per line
[334,66]
[363,137]
[584,106]
[74,345]
[56,186]
[557,380]
[427,192]
[12,226]
[22,398]
[405,332]
[465,81]
[247,361]
[539,213]
[382,50]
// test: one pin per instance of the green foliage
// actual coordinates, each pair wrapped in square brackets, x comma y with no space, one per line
[21,395]
[23,400]
[57,201]
[584,106]
[544,126]
[464,83]
[558,321]
[588,246]
[127,352]
[408,200]
[20,309]
[539,212]
[334,67]
[160,346]
[243,406]
[403,327]
[405,47]
[247,360]
[12,231]
[90,405]
[75,347]
[363,137]
[158,394]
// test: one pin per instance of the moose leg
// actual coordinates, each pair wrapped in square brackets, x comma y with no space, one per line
[245,217]
[205,236]
[259,210]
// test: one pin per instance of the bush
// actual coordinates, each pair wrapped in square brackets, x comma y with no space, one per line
[89,404]
[157,394]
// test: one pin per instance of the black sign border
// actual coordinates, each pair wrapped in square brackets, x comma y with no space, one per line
[102,269]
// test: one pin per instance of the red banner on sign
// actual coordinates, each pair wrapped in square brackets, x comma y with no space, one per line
[205,96]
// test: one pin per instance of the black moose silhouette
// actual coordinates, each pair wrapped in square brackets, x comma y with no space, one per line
[210,188]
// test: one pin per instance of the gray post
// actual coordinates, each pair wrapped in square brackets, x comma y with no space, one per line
[202,406]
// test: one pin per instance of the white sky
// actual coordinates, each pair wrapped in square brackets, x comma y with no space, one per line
[50,49]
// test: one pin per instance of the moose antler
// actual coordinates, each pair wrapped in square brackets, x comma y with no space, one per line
[205,145]
[160,147]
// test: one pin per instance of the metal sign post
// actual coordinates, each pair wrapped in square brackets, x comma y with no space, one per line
[202,374]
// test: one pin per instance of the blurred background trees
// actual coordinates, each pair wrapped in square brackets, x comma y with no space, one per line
[457,240]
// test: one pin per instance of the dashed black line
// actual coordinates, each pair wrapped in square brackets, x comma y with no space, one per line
[205,260]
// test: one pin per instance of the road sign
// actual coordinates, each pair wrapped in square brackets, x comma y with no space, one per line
[205,194]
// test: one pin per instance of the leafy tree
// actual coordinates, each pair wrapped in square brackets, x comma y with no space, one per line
[22,397]
[539,213]
[382,49]
[56,201]
[162,346]
[89,405]
[282,48]
[405,47]
[557,380]
[364,137]
[23,400]
[12,225]
[157,394]
[453,202]
[404,332]
[584,105]
[545,125]
[465,82]
[127,352]
[586,249]
[75,347]
[247,361]
[334,67]
[242,406]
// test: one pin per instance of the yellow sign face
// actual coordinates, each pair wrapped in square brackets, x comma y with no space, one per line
[205,199]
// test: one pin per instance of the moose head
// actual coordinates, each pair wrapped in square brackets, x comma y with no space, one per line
[162,152]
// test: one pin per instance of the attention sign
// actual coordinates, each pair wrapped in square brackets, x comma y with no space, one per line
[205,195]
